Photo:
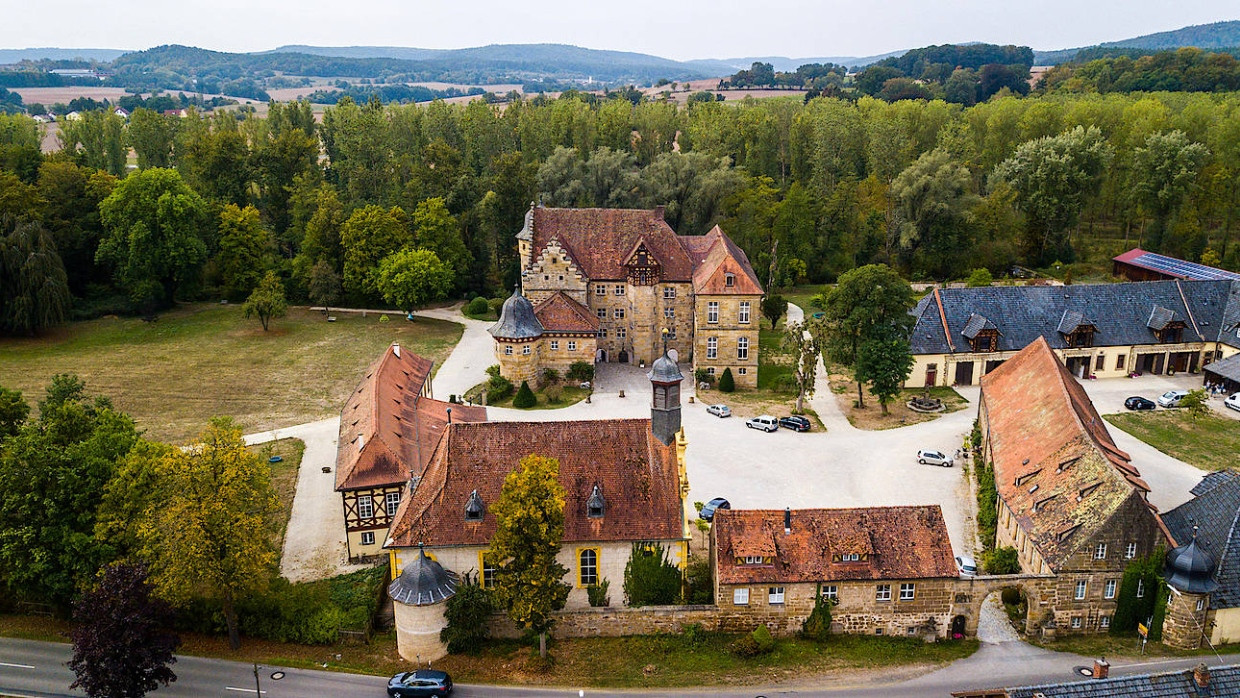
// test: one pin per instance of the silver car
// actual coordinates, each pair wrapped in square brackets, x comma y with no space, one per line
[719,410]
[1172,398]
[966,565]
[928,457]
[765,422]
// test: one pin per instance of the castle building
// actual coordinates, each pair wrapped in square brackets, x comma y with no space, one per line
[602,285]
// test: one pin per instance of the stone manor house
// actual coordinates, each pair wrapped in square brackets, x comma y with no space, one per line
[602,285]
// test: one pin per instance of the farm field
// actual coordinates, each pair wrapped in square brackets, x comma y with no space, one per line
[204,360]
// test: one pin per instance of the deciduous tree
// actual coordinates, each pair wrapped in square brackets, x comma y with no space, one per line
[34,289]
[367,237]
[267,300]
[529,527]
[773,308]
[870,302]
[412,277]
[884,362]
[801,338]
[245,248]
[323,287]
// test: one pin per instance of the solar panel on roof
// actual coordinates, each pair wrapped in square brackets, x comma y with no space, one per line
[1181,268]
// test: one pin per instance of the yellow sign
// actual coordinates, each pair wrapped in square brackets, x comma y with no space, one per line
[1142,630]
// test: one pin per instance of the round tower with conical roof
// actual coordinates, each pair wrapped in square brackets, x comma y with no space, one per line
[418,597]
[1189,573]
[518,339]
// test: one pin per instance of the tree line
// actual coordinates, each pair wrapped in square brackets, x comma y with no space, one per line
[131,216]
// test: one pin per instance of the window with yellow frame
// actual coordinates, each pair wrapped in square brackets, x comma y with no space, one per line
[587,566]
[487,577]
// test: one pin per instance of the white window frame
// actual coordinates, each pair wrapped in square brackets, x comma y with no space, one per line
[1100,552]
[775,595]
[1082,587]
[669,292]
[742,348]
[712,312]
[1140,588]
[600,313]
[908,591]
[743,371]
[368,537]
[831,592]
[617,313]
[572,346]
[850,557]
[710,370]
[742,316]
[508,350]
[1104,621]
[621,332]
[729,279]
[882,592]
[1108,589]
[1201,604]
[753,560]
[712,347]
[365,506]
[582,565]
[1076,621]
[619,289]
[740,596]
[391,502]
[600,290]
[1131,551]
[669,312]
[525,349]
[602,333]
[555,345]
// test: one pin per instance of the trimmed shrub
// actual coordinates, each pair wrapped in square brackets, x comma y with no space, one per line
[467,614]
[756,643]
[726,383]
[525,397]
[496,305]
[478,306]
[581,371]
[762,636]
[979,278]
[650,579]
[987,504]
[817,625]
[554,393]
[597,593]
[551,376]
[1001,561]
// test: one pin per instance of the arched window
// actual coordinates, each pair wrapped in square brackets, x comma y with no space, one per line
[588,567]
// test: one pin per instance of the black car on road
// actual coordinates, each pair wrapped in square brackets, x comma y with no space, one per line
[1136,402]
[423,682]
[708,510]
[794,422]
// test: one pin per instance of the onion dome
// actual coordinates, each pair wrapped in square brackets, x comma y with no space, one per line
[516,319]
[1190,569]
[664,370]
[423,582]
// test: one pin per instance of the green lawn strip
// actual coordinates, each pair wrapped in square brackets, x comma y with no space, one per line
[283,478]
[1209,442]
[800,296]
[1127,647]
[204,360]
[570,396]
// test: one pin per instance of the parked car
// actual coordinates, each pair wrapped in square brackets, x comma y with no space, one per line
[1136,402]
[719,410]
[765,422]
[1172,398]
[966,565]
[423,682]
[708,510]
[794,422]
[927,457]
[1232,401]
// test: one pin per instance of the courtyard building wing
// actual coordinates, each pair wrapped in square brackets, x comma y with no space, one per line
[720,266]
[559,313]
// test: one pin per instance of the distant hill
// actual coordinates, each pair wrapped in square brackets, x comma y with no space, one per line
[14,55]
[1218,35]
[727,66]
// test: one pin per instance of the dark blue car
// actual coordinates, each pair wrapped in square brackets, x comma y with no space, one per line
[423,682]
[709,509]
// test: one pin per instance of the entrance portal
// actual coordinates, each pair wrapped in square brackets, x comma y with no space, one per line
[964,373]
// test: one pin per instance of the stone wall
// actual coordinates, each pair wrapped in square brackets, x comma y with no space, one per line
[727,332]
[1185,623]
[646,309]
[519,366]
[553,270]
[557,354]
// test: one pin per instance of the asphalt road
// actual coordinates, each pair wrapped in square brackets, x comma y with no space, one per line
[38,669]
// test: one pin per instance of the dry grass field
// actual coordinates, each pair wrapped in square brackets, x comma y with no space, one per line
[204,360]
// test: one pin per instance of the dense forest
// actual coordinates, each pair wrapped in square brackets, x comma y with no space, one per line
[809,190]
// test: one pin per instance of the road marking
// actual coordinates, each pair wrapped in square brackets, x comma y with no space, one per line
[243,690]
[16,666]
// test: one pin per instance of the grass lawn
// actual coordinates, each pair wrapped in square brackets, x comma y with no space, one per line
[1109,646]
[773,361]
[1209,443]
[283,479]
[630,662]
[801,295]
[571,395]
[203,360]
[898,414]
[488,315]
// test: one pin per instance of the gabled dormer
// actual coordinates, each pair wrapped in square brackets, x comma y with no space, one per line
[1167,325]
[1076,329]
[982,334]
[596,506]
[643,268]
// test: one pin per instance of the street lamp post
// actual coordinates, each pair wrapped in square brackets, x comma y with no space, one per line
[258,689]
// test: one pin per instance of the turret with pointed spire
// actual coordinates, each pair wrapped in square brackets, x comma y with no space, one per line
[665,378]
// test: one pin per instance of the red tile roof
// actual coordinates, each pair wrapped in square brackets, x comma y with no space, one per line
[714,257]
[600,239]
[638,477]
[388,429]
[560,313]
[1056,465]
[908,542]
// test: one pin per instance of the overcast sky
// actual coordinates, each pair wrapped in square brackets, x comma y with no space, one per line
[679,29]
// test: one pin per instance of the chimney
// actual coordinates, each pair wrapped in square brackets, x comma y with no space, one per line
[396,349]
[1102,668]
[449,415]
[658,211]
[787,520]
[1201,675]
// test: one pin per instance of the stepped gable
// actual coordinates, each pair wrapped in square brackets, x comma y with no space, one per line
[637,477]
[714,257]
[388,428]
[1055,463]
[908,542]
[600,239]
[560,313]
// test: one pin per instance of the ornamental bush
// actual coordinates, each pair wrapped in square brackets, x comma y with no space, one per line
[650,579]
[727,384]
[478,306]
[467,613]
[525,397]
[817,625]
[581,371]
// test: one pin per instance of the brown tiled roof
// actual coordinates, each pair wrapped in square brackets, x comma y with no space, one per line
[387,428]
[600,239]
[1055,463]
[899,543]
[637,475]
[714,257]
[560,313]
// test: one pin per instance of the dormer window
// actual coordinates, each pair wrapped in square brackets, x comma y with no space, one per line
[982,334]
[729,280]
[596,506]
[474,508]
[848,557]
[1077,330]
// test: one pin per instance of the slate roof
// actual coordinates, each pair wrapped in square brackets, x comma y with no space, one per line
[1160,317]
[1228,368]
[1120,312]
[1072,321]
[714,257]
[600,239]
[908,542]
[1215,510]
[423,582]
[388,429]
[560,313]
[1224,681]
[637,475]
[516,319]
[1055,463]
[975,325]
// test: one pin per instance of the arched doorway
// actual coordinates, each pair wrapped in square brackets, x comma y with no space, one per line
[958,627]
[624,356]
[600,356]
